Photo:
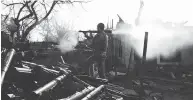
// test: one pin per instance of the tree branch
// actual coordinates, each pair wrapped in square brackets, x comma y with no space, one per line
[11,4]
[43,4]
[81,1]
[20,10]
[38,22]
[51,8]
[13,10]
[33,10]
[6,17]
[31,13]
[69,1]
[26,3]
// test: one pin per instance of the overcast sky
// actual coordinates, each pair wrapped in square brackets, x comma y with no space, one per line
[87,15]
[100,10]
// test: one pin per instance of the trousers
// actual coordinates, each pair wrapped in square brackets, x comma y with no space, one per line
[101,64]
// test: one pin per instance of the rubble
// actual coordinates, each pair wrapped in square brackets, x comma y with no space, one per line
[24,79]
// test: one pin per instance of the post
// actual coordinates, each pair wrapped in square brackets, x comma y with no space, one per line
[142,92]
[145,47]
[112,23]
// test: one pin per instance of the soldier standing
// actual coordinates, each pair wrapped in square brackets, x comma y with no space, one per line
[100,45]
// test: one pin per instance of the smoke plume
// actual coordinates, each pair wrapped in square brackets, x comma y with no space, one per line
[59,33]
[165,38]
[68,42]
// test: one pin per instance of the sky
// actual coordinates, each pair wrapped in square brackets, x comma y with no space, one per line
[86,16]
[89,14]
[153,15]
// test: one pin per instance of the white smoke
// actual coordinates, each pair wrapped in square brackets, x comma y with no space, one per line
[68,41]
[164,38]
[60,33]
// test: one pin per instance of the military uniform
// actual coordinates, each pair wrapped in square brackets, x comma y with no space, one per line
[100,45]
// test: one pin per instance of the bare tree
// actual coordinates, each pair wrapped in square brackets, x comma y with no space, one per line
[54,32]
[30,13]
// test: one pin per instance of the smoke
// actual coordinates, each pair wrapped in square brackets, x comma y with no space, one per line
[164,38]
[60,33]
[68,41]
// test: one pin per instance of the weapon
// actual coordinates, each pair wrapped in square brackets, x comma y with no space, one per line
[7,64]
[78,95]
[94,31]
[94,92]
[89,31]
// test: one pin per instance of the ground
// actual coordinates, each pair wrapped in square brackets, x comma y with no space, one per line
[170,91]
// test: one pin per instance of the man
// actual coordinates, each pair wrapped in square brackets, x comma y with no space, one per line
[100,45]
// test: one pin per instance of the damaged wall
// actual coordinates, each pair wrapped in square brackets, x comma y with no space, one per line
[187,56]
